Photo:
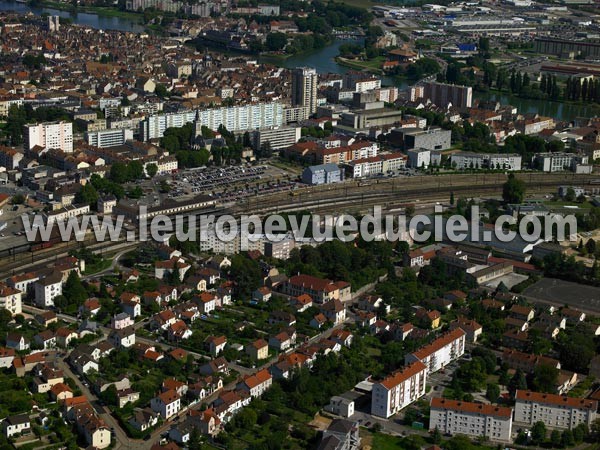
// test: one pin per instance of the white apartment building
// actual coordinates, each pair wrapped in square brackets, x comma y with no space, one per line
[63,214]
[558,162]
[304,88]
[47,289]
[235,118]
[399,390]
[387,94]
[6,103]
[472,419]
[109,138]
[365,167]
[441,352]
[556,411]
[468,160]
[49,135]
[10,299]
[277,138]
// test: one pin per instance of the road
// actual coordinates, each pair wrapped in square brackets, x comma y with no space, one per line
[122,440]
[114,265]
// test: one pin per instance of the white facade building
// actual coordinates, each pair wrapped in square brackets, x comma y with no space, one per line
[235,118]
[10,299]
[109,138]
[468,160]
[49,135]
[440,352]
[472,419]
[47,289]
[166,404]
[419,158]
[556,411]
[399,390]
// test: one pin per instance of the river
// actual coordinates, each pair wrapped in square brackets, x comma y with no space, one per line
[557,110]
[323,60]
[99,21]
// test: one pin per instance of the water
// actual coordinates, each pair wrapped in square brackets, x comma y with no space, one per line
[100,22]
[324,61]
[556,110]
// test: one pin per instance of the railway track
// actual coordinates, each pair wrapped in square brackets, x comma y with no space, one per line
[349,197]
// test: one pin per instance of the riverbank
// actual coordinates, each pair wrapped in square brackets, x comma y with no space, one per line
[106,11]
[371,66]
[577,104]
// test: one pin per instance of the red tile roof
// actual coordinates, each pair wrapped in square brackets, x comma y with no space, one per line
[558,400]
[469,407]
[404,374]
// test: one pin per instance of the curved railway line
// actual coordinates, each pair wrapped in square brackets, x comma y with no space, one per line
[349,197]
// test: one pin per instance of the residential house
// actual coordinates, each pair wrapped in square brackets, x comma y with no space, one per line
[472,328]
[302,302]
[282,341]
[334,311]
[215,344]
[217,365]
[64,337]
[341,435]
[167,404]
[262,294]
[143,419]
[123,338]
[17,342]
[256,384]
[258,349]
[45,339]
[16,425]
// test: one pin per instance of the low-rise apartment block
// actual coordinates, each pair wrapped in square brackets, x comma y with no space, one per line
[440,352]
[399,390]
[471,419]
[556,411]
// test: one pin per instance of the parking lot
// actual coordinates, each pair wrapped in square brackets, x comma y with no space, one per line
[231,183]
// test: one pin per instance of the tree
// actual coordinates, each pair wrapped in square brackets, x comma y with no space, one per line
[580,432]
[555,438]
[538,433]
[545,378]
[247,274]
[276,41]
[570,194]
[161,90]
[567,439]
[513,191]
[436,436]
[118,172]
[493,392]
[452,197]
[73,290]
[135,170]
[151,170]
[517,382]
[590,246]
[87,195]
